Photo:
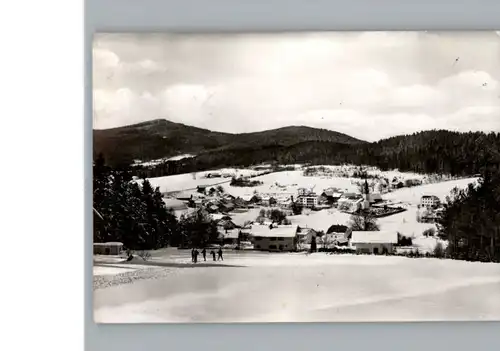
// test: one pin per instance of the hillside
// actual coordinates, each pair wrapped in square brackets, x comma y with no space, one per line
[162,138]
[435,151]
[462,154]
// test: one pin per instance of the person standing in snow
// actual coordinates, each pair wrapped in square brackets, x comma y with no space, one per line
[220,255]
[204,253]
[213,254]
[196,253]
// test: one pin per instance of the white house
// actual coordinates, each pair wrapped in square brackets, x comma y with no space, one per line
[374,242]
[430,201]
[274,238]
[309,201]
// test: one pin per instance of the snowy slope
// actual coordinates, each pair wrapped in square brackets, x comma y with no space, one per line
[309,288]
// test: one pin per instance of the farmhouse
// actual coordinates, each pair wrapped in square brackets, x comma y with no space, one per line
[274,238]
[331,195]
[305,235]
[374,242]
[110,248]
[430,201]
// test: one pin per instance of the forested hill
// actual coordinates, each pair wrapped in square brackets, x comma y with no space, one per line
[436,151]
[463,154]
[161,138]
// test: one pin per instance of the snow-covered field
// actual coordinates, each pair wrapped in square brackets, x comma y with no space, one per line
[189,181]
[262,287]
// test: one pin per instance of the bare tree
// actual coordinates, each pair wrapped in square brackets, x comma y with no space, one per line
[363,221]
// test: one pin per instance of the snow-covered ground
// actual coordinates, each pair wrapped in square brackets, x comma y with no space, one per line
[441,190]
[263,287]
[189,181]
[290,182]
[111,270]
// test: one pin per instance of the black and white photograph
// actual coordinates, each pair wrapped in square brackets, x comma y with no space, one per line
[296,177]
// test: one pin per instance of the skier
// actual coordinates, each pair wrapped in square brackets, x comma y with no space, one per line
[213,254]
[196,253]
[220,255]
[204,253]
[192,254]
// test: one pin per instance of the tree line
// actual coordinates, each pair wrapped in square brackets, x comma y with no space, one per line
[430,152]
[471,220]
[137,216]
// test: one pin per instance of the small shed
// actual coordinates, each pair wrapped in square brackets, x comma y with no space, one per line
[109,248]
[374,242]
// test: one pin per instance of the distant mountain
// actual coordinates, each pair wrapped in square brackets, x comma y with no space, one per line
[161,138]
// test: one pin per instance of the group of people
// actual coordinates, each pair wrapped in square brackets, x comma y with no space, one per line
[195,253]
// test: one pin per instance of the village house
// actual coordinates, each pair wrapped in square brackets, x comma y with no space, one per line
[350,202]
[374,242]
[331,195]
[229,236]
[285,203]
[225,223]
[430,201]
[305,235]
[274,238]
[336,235]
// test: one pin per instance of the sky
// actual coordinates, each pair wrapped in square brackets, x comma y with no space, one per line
[370,85]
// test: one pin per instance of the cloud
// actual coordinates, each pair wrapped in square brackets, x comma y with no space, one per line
[370,85]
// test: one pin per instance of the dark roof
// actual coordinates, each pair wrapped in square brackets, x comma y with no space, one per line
[336,228]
